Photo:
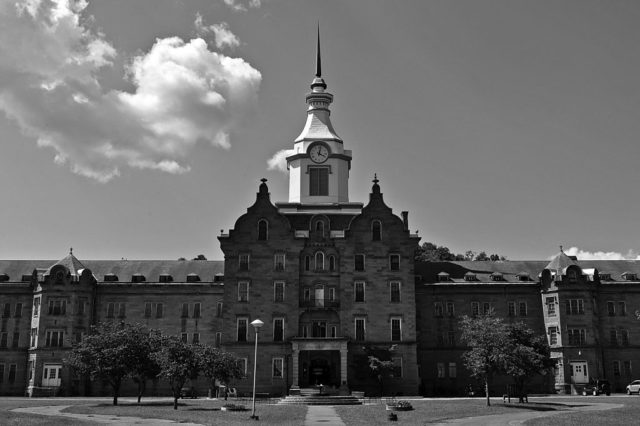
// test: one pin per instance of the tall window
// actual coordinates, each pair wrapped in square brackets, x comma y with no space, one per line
[613,337]
[18,311]
[395,291]
[622,308]
[475,308]
[185,310]
[159,310]
[57,307]
[318,181]
[263,230]
[278,364]
[616,368]
[486,308]
[36,306]
[451,309]
[243,291]
[396,329]
[397,366]
[359,291]
[12,373]
[243,260]
[16,339]
[394,262]
[278,329]
[360,329]
[320,227]
[242,329]
[437,309]
[278,261]
[218,340]
[196,310]
[551,306]
[359,262]
[307,263]
[611,308]
[3,340]
[278,291]
[577,336]
[195,339]
[575,307]
[6,312]
[319,261]
[319,329]
[54,338]
[332,263]
[219,309]
[624,337]
[627,368]
[522,309]
[34,337]
[376,230]
[110,309]
[511,308]
[451,338]
[440,370]
[453,370]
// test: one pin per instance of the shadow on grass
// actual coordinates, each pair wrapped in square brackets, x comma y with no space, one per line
[142,404]
[545,406]
[201,409]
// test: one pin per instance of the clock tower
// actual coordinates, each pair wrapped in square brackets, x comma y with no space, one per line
[319,165]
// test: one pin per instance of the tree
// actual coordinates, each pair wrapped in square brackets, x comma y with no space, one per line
[486,336]
[178,362]
[146,343]
[111,352]
[380,369]
[481,257]
[200,257]
[430,252]
[526,354]
[216,364]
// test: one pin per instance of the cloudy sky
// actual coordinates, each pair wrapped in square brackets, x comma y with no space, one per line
[140,129]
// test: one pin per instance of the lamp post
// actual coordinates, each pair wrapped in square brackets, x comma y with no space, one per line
[256,325]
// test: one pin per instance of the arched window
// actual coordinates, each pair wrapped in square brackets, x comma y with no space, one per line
[332,263]
[320,227]
[319,261]
[376,230]
[573,276]
[263,230]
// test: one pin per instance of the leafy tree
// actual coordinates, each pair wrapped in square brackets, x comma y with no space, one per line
[182,259]
[178,362]
[526,354]
[200,257]
[216,364]
[469,255]
[486,336]
[111,352]
[481,257]
[381,369]
[430,252]
[146,343]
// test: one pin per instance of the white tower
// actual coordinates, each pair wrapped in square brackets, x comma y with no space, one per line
[319,166]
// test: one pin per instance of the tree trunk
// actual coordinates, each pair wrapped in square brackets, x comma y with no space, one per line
[486,391]
[175,402]
[142,385]
[116,391]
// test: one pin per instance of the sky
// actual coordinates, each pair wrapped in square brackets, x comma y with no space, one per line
[141,129]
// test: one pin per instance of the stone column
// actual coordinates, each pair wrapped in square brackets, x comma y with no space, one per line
[344,388]
[295,386]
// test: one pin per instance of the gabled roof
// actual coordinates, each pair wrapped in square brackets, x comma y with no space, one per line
[560,262]
[71,263]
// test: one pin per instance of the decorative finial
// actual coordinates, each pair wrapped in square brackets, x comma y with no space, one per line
[318,60]
[561,249]
[71,251]
[375,178]
[263,180]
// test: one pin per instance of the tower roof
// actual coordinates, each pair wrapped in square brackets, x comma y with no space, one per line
[71,263]
[560,262]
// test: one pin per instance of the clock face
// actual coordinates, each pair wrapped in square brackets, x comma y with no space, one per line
[319,153]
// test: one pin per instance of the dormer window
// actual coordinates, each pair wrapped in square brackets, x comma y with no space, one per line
[138,278]
[470,276]
[496,276]
[110,277]
[376,230]
[443,277]
[193,278]
[523,276]
[263,230]
[4,278]
[26,278]
[629,276]
[604,276]
[165,278]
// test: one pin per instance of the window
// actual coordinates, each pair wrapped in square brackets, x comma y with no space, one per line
[243,262]
[242,329]
[1,373]
[627,368]
[82,306]
[147,310]
[319,329]
[394,262]
[522,309]
[263,230]
[443,277]
[334,331]
[305,331]
[195,338]
[278,329]
[110,309]
[3,340]
[6,312]
[196,310]
[34,337]
[16,339]
[218,340]
[278,261]
[359,291]
[395,291]
[397,367]
[360,329]
[307,263]
[318,181]
[616,368]
[121,310]
[575,307]
[486,308]
[332,263]
[278,366]
[359,262]
[511,308]
[611,308]
[36,306]
[12,373]
[18,312]
[306,294]
[573,276]
[577,336]
[243,291]
[475,309]
[451,338]
[613,337]
[185,310]
[159,310]
[242,362]
[440,370]
[624,336]
[440,339]
[54,338]
[451,309]
[453,370]
[551,306]
[57,307]
[553,336]
[437,309]
[320,227]
[376,230]
[396,329]
[332,294]
[278,291]
[219,310]
[622,308]
[184,337]
[319,258]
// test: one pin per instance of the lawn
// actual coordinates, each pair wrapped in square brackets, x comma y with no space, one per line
[628,415]
[10,418]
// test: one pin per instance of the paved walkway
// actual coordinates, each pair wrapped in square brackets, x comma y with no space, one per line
[56,410]
[322,415]
[515,419]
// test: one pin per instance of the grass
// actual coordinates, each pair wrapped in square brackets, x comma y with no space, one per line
[10,418]
[628,415]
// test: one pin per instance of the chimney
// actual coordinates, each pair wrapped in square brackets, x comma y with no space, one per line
[405,219]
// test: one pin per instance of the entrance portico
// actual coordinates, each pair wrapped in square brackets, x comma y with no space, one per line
[315,361]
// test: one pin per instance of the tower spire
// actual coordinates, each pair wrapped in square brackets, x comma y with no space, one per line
[318,58]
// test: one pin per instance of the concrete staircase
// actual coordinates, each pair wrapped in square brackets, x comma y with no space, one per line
[312,396]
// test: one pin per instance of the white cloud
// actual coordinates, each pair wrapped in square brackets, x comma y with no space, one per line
[183,93]
[279,160]
[602,255]
[238,6]
[223,35]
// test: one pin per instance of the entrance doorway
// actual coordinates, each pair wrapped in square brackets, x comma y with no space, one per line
[319,368]
[579,373]
[51,375]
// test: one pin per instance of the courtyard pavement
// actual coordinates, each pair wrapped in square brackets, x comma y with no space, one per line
[322,415]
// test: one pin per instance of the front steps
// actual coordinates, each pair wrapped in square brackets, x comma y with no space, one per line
[312,396]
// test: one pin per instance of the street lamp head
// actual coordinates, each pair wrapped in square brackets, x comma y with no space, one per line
[257,324]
